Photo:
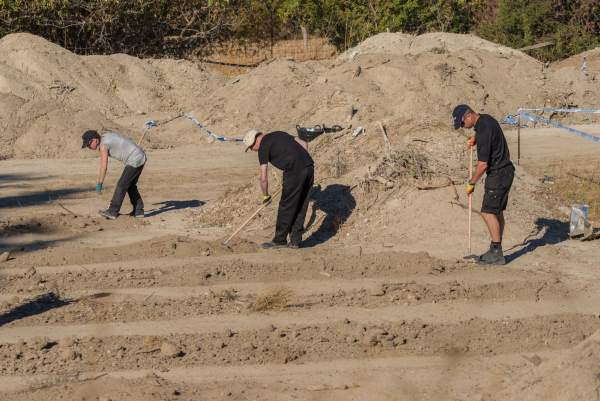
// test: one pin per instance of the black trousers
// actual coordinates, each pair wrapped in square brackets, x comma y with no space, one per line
[128,184]
[293,204]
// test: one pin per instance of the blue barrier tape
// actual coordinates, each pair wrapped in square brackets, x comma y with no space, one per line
[552,110]
[153,124]
[209,132]
[536,118]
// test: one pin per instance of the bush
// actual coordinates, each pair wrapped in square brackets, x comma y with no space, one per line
[192,27]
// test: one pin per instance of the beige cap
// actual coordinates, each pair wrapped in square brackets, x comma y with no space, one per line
[250,138]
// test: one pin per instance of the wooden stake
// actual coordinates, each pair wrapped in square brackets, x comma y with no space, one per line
[519,140]
[470,196]
[249,219]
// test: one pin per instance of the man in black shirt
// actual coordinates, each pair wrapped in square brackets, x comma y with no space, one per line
[493,159]
[289,154]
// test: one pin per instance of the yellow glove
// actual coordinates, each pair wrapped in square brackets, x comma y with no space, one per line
[266,199]
[470,188]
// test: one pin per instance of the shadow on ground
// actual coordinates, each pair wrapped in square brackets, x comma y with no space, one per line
[39,197]
[16,236]
[552,232]
[10,181]
[35,306]
[338,203]
[172,205]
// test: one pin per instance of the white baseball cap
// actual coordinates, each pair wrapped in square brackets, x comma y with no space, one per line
[250,138]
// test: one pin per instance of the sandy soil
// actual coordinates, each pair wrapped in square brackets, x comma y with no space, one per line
[379,305]
[157,309]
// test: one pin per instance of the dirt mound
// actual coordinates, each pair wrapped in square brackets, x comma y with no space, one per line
[384,85]
[574,80]
[592,59]
[571,377]
[436,42]
[51,94]
[412,91]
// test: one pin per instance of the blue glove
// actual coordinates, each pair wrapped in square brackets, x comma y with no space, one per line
[99,187]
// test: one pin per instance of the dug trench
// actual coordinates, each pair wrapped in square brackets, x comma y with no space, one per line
[149,300]
[284,343]
[157,309]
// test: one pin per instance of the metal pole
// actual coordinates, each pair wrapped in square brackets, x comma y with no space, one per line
[519,140]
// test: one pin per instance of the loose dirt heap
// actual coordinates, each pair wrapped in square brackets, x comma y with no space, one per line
[410,84]
[49,95]
[571,377]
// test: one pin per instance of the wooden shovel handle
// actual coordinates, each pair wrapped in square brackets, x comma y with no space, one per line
[249,219]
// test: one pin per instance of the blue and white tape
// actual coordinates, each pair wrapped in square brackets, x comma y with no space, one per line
[153,124]
[209,132]
[526,114]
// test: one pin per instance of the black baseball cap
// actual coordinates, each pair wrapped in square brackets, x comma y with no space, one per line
[88,136]
[458,114]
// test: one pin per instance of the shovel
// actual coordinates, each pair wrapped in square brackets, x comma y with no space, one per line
[470,255]
[249,219]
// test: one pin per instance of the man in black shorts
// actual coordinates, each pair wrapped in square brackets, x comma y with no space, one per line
[291,155]
[493,159]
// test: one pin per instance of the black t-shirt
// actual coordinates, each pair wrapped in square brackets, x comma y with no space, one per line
[491,143]
[283,151]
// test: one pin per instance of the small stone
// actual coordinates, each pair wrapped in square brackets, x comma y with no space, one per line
[4,257]
[378,291]
[69,354]
[535,360]
[170,350]
[104,399]
[47,344]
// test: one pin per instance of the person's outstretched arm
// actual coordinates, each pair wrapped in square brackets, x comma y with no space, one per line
[264,180]
[103,164]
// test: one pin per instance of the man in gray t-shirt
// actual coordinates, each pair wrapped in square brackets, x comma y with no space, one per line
[125,150]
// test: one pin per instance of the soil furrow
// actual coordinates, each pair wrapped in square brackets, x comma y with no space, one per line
[151,303]
[438,312]
[287,342]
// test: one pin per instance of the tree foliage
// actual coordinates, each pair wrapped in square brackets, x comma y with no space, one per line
[182,27]
[573,26]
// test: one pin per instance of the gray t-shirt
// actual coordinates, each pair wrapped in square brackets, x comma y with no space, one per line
[124,149]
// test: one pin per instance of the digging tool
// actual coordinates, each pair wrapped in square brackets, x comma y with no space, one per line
[470,196]
[245,223]
[470,255]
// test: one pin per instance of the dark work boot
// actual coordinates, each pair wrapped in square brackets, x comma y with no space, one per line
[274,245]
[493,256]
[295,241]
[109,214]
[137,214]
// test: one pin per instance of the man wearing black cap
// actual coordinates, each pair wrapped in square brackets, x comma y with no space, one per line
[291,155]
[125,150]
[494,160]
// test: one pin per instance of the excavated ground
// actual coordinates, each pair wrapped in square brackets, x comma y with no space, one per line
[379,305]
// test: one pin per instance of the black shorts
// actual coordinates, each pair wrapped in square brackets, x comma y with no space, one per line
[497,187]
